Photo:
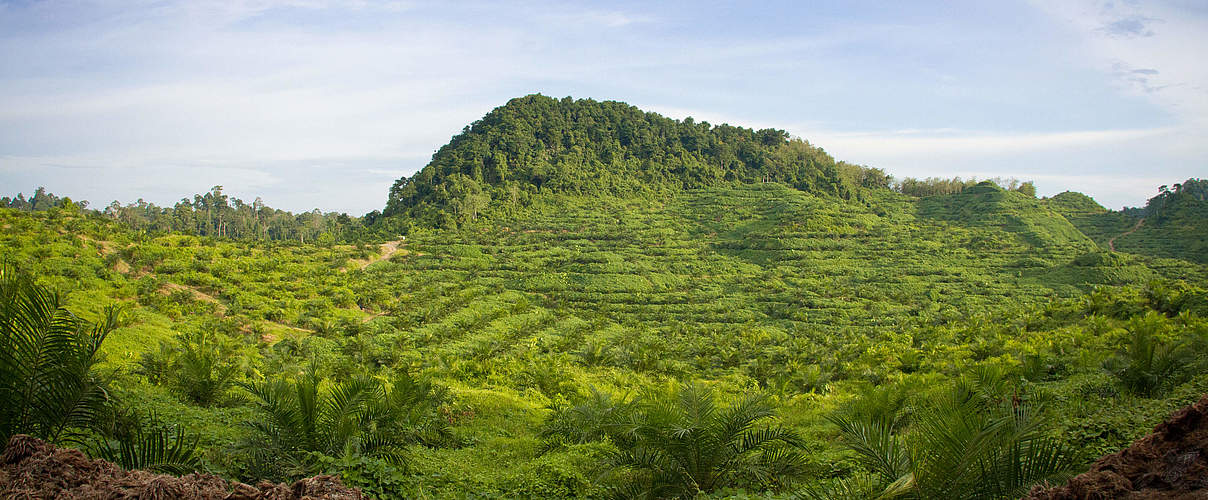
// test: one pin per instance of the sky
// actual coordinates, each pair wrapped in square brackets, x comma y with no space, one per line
[324,104]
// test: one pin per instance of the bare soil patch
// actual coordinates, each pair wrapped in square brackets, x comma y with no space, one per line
[32,468]
[388,249]
[1171,463]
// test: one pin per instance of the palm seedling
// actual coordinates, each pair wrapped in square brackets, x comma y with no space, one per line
[137,443]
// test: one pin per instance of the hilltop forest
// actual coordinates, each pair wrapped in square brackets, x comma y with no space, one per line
[581,299]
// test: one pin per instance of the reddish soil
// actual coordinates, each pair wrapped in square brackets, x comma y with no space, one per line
[31,468]
[388,250]
[1171,463]
[1111,244]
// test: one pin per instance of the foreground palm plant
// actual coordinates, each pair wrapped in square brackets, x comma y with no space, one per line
[682,444]
[50,390]
[47,383]
[134,442]
[361,416]
[966,443]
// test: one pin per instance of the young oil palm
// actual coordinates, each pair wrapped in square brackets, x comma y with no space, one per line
[1147,362]
[682,444]
[970,442]
[360,416]
[592,418]
[47,356]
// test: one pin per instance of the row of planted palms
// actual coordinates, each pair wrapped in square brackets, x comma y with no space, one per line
[972,439]
[980,437]
[52,389]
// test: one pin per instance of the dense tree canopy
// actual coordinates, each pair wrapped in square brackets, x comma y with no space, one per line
[536,143]
[1189,198]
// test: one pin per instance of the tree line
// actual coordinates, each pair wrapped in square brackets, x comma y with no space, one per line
[1187,198]
[211,214]
[934,186]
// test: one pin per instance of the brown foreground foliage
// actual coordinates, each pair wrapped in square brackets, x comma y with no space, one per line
[31,468]
[1171,463]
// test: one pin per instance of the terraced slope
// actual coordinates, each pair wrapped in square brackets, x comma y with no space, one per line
[692,281]
[1180,232]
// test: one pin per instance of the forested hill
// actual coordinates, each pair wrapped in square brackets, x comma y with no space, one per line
[1173,224]
[536,143]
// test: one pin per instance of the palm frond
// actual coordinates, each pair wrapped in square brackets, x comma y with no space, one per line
[880,448]
[46,359]
[157,449]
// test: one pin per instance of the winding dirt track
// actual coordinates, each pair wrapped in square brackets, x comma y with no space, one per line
[1111,244]
[389,248]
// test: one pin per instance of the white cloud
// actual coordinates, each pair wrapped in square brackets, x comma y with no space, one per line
[968,144]
[175,96]
[1153,49]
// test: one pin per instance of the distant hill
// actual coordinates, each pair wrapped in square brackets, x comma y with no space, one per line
[988,205]
[1173,224]
[1074,203]
[537,145]
[1176,224]
[540,144]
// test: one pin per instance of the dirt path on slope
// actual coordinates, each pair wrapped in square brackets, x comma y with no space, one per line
[372,316]
[388,250]
[1111,244]
[170,287]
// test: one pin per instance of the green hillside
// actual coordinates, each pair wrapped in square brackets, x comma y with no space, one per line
[578,325]
[540,144]
[1176,224]
[1173,224]
[989,206]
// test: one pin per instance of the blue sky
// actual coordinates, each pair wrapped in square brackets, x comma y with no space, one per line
[325,103]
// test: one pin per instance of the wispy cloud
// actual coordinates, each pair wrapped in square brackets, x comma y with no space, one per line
[899,144]
[608,19]
[1131,26]
[323,102]
[1151,48]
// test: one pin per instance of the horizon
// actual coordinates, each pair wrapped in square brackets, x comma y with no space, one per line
[93,205]
[324,104]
